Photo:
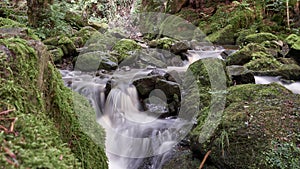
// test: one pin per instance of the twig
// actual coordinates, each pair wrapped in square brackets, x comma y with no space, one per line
[6,111]
[204,159]
[13,124]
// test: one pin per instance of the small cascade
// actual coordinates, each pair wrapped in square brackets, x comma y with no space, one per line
[135,138]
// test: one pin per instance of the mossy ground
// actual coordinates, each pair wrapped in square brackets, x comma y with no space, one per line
[49,132]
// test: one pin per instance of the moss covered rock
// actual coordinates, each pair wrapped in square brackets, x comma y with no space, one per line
[260,37]
[224,36]
[211,76]
[245,54]
[287,71]
[294,43]
[48,132]
[263,64]
[124,46]
[86,33]
[254,117]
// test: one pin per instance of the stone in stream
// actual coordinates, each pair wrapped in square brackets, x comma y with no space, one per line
[240,75]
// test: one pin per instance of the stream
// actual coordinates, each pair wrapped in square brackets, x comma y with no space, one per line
[136,136]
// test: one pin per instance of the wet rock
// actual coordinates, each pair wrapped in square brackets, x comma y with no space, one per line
[93,61]
[152,57]
[156,84]
[227,52]
[240,75]
[179,47]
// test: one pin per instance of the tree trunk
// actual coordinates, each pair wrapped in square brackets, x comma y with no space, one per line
[297,8]
[38,11]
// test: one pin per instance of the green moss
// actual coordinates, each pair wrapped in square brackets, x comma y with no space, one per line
[260,37]
[52,127]
[37,144]
[165,43]
[124,46]
[263,64]
[86,33]
[245,54]
[291,39]
[250,122]
[8,23]
[224,36]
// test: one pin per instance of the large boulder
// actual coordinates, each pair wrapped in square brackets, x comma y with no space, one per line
[257,121]
[49,132]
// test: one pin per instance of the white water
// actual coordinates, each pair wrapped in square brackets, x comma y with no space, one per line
[294,87]
[134,138]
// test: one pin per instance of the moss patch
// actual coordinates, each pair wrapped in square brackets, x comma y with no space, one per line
[255,116]
[31,85]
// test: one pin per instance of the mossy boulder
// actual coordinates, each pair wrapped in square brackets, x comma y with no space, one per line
[86,33]
[64,43]
[294,43]
[123,47]
[286,71]
[48,132]
[246,54]
[211,76]
[263,64]
[255,116]
[96,60]
[224,36]
[260,37]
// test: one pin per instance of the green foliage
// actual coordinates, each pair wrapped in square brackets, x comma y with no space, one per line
[283,155]
[54,25]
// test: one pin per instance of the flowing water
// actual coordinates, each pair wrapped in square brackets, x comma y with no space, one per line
[136,138]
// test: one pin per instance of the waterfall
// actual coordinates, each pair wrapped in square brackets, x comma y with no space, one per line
[135,138]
